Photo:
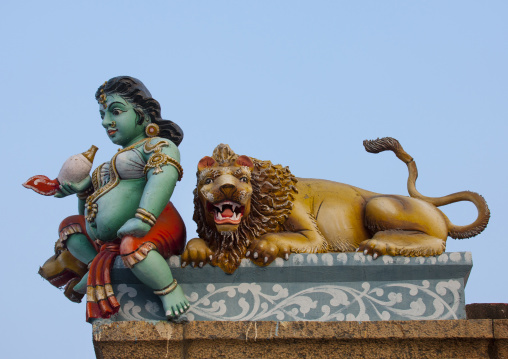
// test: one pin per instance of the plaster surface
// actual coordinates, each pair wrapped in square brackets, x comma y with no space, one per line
[310,287]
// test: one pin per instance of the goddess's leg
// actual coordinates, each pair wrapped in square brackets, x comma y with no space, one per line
[81,248]
[156,274]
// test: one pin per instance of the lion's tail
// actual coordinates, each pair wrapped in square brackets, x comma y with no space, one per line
[454,231]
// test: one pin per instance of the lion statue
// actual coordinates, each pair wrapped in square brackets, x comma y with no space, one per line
[245,207]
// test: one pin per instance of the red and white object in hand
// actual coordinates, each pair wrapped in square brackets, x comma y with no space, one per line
[74,169]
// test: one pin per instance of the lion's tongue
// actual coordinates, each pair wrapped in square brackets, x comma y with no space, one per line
[227,213]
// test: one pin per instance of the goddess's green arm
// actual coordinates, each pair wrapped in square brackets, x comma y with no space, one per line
[161,180]
[81,206]
[160,186]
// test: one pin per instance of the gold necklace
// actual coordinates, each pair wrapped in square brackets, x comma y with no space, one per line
[114,179]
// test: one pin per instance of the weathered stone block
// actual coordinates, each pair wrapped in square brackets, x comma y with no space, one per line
[487,311]
[268,339]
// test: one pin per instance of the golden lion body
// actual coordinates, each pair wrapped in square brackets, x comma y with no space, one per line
[250,208]
[345,216]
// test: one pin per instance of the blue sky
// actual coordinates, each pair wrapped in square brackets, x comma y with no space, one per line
[301,83]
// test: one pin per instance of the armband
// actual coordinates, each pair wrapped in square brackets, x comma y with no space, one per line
[145,216]
[159,159]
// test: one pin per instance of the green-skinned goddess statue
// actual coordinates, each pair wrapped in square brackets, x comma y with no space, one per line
[124,206]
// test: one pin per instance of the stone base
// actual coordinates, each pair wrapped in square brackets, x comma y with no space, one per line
[482,338]
[310,287]
[487,311]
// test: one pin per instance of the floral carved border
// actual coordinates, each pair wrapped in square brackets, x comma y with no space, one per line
[252,301]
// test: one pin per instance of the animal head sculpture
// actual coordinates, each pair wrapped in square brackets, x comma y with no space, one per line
[238,199]
[64,270]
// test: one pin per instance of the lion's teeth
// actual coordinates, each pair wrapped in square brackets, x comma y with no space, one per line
[219,206]
[219,216]
[234,205]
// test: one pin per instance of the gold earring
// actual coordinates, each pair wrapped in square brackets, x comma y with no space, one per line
[152,130]
[113,124]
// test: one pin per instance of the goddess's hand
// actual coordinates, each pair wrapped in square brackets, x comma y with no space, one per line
[133,227]
[68,188]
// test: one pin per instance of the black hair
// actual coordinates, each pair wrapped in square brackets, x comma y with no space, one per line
[133,90]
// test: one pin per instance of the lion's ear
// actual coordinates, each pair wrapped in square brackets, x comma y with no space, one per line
[206,161]
[244,161]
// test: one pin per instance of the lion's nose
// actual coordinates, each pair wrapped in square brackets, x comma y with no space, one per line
[228,189]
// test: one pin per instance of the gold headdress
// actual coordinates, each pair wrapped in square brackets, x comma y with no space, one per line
[102,97]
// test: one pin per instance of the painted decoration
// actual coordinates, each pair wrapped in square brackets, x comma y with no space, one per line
[124,208]
[248,208]
[313,287]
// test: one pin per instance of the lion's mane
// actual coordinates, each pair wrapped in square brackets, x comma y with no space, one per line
[273,189]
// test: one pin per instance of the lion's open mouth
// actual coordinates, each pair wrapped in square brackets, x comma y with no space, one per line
[226,212]
[60,279]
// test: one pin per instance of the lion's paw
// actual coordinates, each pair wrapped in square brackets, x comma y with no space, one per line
[263,251]
[197,253]
[375,248]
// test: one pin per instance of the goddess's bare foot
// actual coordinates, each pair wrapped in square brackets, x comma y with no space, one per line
[175,303]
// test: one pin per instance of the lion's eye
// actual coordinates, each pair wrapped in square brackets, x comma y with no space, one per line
[243,179]
[208,181]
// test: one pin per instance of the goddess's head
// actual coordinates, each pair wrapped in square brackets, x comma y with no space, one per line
[128,105]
